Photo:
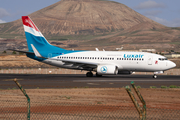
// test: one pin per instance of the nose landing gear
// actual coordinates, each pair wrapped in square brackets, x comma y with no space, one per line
[154,76]
[158,72]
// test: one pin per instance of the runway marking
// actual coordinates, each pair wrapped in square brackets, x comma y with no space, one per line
[126,80]
[92,84]
[11,79]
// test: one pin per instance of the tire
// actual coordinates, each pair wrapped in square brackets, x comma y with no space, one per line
[155,76]
[89,74]
[97,75]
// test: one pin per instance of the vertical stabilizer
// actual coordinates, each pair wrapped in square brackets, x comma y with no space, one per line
[35,37]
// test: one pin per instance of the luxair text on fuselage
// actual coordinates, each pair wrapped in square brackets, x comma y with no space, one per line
[133,55]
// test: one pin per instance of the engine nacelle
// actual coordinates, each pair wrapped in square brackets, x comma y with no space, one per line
[107,69]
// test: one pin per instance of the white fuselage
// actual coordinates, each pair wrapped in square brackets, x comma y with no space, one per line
[130,61]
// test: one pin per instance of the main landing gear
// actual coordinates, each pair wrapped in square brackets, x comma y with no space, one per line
[97,75]
[90,74]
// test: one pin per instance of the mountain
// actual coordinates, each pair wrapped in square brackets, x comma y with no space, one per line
[91,23]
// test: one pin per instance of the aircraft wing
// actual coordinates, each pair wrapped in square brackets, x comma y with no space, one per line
[85,65]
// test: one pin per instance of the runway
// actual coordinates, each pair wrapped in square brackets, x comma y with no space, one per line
[30,81]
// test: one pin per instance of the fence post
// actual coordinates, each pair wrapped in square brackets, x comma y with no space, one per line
[142,112]
[28,99]
[141,99]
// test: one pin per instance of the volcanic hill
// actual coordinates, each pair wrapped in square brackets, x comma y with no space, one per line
[91,23]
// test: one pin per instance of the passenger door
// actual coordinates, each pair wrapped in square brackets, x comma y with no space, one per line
[150,60]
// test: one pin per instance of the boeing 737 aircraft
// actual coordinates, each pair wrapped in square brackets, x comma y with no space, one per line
[101,62]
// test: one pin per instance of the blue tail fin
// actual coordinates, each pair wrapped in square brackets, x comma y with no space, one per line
[35,37]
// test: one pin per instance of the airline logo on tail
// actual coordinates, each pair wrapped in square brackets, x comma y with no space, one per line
[27,22]
[30,27]
[35,38]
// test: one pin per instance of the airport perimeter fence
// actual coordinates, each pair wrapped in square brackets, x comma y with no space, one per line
[17,110]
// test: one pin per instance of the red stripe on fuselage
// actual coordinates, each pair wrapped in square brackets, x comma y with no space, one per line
[28,22]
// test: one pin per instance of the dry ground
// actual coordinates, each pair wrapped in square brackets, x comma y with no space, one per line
[88,103]
[159,98]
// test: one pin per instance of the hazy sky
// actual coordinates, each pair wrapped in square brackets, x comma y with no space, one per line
[166,12]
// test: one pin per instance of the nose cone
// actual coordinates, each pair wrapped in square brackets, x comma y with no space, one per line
[171,64]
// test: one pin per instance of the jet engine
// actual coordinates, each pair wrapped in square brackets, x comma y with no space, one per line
[107,69]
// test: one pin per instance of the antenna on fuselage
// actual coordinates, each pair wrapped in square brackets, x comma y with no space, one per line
[97,49]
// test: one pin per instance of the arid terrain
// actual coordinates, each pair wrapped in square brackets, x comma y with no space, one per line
[87,24]
[159,98]
[88,103]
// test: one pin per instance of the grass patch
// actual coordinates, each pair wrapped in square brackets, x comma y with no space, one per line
[176,43]
[164,87]
[176,28]
[67,97]
[172,86]
[153,87]
[11,36]
[99,102]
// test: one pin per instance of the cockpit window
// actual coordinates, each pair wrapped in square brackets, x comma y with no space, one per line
[162,59]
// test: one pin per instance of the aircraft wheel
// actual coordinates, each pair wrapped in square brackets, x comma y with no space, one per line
[155,76]
[97,75]
[89,74]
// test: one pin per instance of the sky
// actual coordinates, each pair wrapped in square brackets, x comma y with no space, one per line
[166,12]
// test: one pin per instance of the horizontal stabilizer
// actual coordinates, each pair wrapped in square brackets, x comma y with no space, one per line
[21,51]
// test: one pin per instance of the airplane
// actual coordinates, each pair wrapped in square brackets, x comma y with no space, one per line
[101,62]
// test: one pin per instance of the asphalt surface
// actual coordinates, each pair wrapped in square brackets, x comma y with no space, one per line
[29,81]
